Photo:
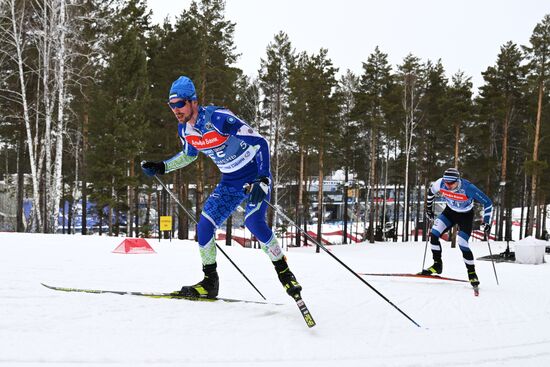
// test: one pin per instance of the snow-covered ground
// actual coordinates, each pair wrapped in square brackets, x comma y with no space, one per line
[507,325]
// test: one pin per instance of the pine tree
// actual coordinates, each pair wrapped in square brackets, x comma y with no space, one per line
[370,110]
[349,140]
[323,109]
[274,75]
[437,140]
[300,132]
[539,56]
[118,114]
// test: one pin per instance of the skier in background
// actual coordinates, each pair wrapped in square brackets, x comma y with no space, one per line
[459,195]
[242,155]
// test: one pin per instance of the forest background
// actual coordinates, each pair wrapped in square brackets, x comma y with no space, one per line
[83,86]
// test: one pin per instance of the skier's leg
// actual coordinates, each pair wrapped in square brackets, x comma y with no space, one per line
[217,208]
[219,205]
[465,230]
[441,224]
[256,223]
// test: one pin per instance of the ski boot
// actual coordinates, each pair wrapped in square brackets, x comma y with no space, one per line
[436,268]
[287,279]
[206,288]
[474,281]
[472,277]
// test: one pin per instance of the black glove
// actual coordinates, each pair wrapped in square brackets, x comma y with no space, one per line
[257,190]
[430,213]
[151,168]
[487,230]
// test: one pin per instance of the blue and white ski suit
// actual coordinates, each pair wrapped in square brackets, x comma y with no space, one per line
[242,155]
[459,210]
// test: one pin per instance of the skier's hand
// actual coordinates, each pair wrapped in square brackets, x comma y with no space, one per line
[430,213]
[151,168]
[257,190]
[486,230]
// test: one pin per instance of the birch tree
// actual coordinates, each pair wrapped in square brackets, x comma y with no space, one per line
[15,37]
[411,75]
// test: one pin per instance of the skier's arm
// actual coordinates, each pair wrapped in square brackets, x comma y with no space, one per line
[432,192]
[429,203]
[238,128]
[430,198]
[180,160]
[483,199]
[262,148]
[187,155]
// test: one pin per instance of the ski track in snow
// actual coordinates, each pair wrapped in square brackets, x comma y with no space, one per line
[507,325]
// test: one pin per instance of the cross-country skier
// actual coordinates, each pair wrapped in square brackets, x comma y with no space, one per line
[242,155]
[459,195]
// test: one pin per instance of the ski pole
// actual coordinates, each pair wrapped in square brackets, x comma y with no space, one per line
[282,214]
[195,221]
[492,260]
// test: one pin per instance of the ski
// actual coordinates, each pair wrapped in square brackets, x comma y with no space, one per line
[305,311]
[411,275]
[171,295]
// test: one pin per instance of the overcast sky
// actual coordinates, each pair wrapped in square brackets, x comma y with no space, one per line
[465,34]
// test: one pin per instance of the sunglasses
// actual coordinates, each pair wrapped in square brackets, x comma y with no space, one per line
[449,183]
[178,104]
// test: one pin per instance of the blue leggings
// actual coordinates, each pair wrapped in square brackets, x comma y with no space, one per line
[221,203]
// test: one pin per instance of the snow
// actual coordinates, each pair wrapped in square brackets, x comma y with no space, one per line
[507,325]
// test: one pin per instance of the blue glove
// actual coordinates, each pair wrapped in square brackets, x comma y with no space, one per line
[151,168]
[257,191]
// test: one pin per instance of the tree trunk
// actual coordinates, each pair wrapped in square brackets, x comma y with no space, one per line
[19,223]
[385,205]
[397,211]
[426,228]
[406,201]
[70,216]
[539,211]
[100,214]
[63,213]
[503,173]
[457,143]
[136,210]
[19,44]
[320,198]
[538,219]
[276,171]
[129,201]
[523,201]
[345,216]
[418,192]
[300,201]
[372,178]
[544,216]
[534,180]
[60,128]
[83,174]
[148,215]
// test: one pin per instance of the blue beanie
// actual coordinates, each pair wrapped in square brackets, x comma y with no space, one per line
[183,88]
